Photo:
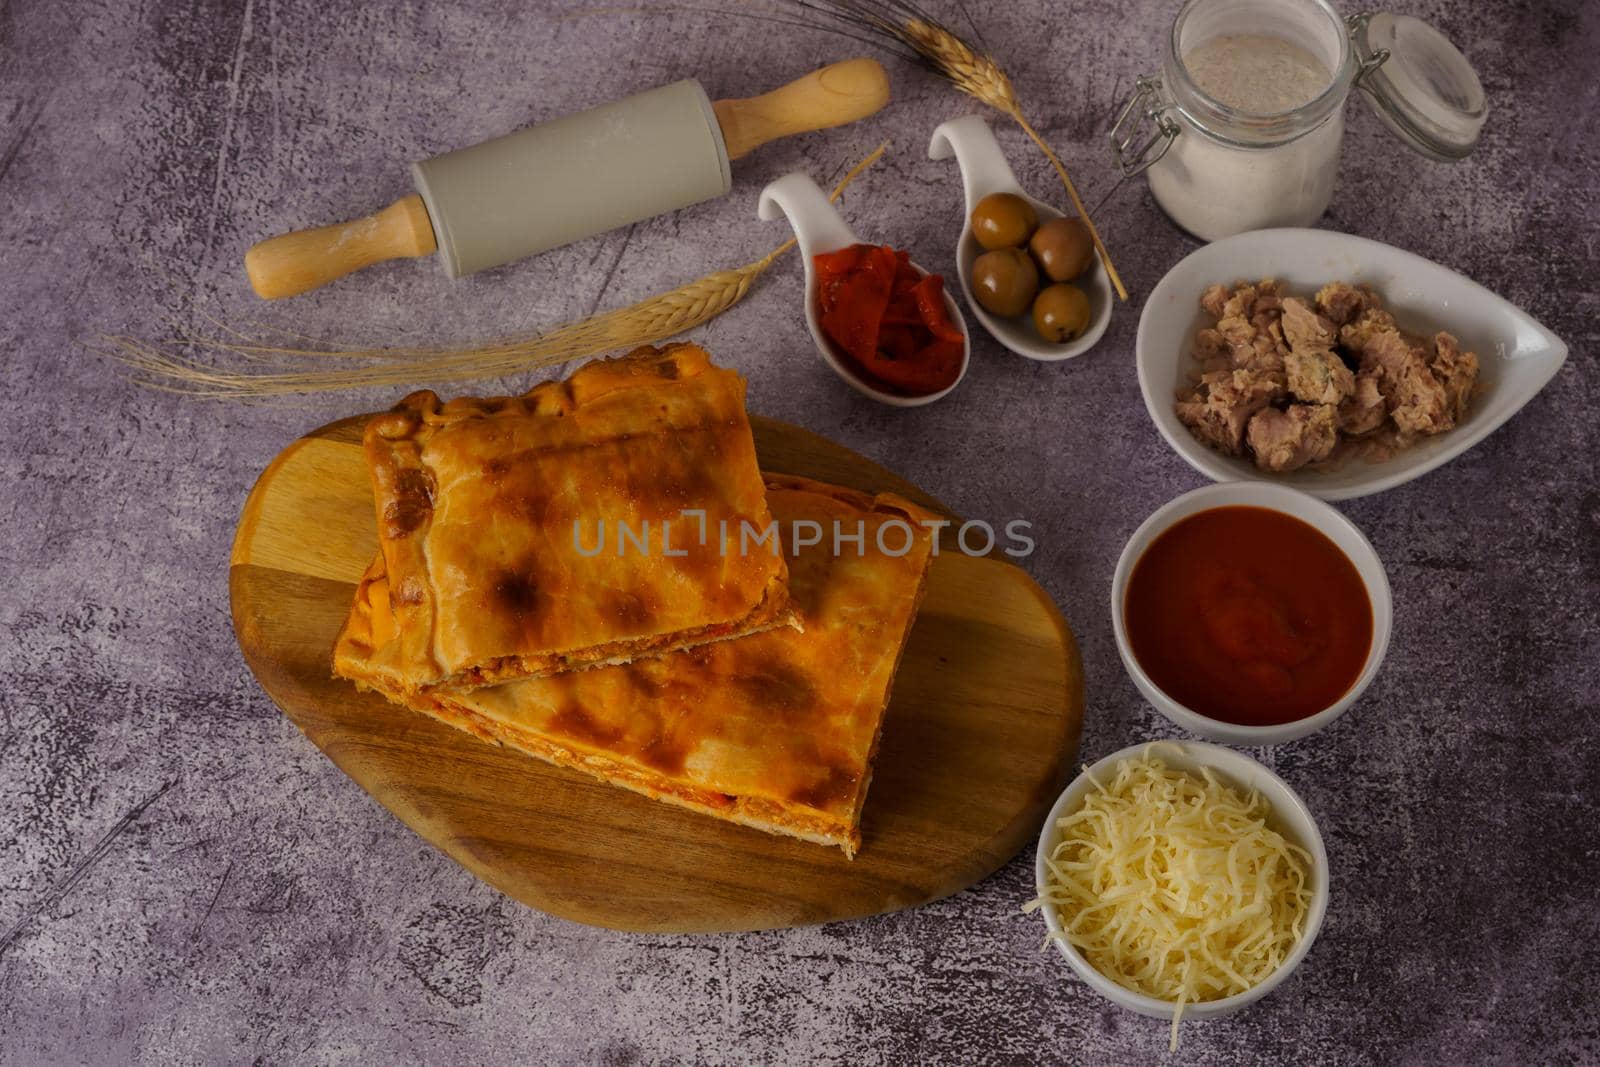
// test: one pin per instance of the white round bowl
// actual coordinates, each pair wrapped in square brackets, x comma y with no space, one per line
[1334,526]
[1290,817]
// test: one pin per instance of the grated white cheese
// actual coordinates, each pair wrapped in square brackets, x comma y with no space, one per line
[1172,885]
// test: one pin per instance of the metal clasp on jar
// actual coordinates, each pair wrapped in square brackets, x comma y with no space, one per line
[1147,105]
[1356,26]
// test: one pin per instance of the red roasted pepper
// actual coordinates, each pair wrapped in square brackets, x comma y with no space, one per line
[888,319]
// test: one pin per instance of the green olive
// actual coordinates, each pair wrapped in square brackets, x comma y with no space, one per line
[1062,248]
[1061,312]
[1003,220]
[1004,281]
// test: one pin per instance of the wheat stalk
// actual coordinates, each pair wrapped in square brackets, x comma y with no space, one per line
[974,73]
[907,29]
[175,365]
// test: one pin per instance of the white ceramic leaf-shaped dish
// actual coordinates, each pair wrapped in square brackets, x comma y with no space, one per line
[1517,355]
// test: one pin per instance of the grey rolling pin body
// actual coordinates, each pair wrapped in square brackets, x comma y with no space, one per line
[573,177]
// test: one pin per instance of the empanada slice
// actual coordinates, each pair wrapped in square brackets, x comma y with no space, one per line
[588,521]
[776,730]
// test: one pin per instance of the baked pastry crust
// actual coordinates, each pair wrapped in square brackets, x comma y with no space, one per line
[503,523]
[776,730]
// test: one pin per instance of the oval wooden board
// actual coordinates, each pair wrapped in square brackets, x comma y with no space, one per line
[980,733]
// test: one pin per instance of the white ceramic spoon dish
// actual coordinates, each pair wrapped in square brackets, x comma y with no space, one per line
[819,229]
[1517,355]
[984,170]
[1290,817]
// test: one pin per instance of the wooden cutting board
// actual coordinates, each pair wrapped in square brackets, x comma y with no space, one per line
[978,742]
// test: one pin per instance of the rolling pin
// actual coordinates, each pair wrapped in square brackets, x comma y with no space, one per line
[567,179]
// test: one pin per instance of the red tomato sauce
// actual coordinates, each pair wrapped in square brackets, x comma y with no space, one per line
[887,319]
[1248,616]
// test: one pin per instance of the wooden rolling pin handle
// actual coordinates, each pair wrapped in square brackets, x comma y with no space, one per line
[297,262]
[836,94]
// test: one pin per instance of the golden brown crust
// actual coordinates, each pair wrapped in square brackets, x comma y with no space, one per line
[776,730]
[915,515]
[756,812]
[485,507]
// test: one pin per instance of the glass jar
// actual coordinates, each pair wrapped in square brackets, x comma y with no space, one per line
[1218,170]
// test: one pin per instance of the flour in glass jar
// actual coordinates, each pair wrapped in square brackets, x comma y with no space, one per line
[1214,186]
[1255,74]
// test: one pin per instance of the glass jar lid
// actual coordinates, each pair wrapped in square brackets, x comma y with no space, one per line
[1419,85]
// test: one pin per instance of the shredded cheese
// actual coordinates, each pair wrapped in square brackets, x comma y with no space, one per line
[1171,884]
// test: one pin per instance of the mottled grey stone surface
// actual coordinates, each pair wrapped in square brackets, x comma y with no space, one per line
[266,907]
